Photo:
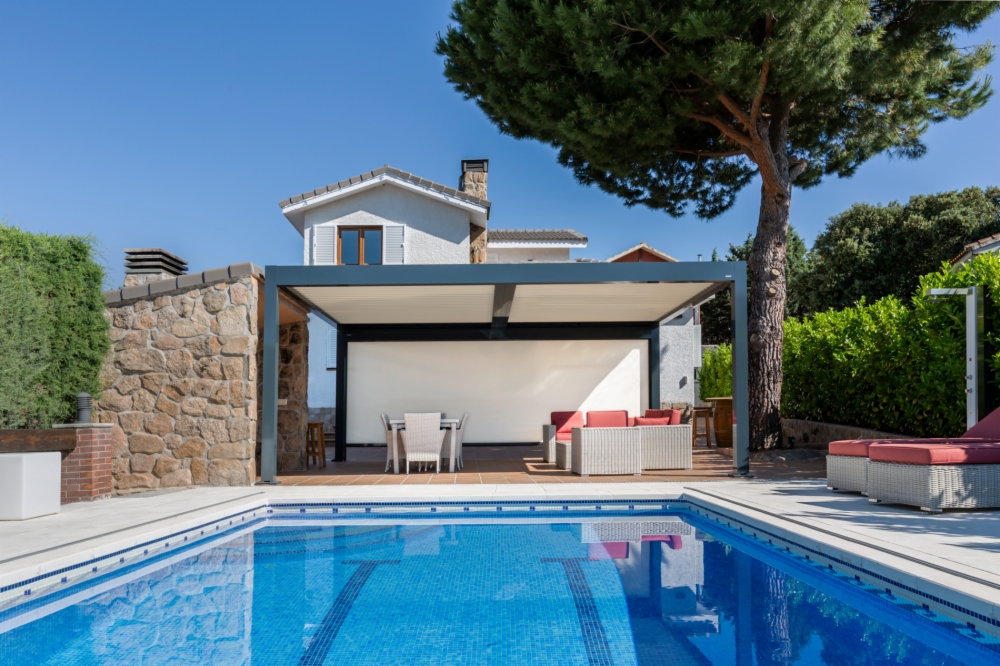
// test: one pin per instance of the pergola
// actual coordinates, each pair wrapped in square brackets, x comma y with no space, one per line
[491,302]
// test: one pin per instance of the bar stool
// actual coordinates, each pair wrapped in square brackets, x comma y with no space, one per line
[315,444]
[705,414]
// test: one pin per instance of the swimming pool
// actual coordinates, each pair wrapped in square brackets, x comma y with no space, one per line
[453,586]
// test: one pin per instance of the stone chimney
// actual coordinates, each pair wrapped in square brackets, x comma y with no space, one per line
[146,264]
[475,175]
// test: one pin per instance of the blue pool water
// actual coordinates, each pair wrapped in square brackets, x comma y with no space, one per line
[659,589]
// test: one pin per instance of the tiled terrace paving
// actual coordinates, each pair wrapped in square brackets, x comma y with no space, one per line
[524,464]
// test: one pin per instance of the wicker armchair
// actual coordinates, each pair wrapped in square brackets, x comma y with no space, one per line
[388,441]
[606,451]
[666,447]
[459,435]
[422,439]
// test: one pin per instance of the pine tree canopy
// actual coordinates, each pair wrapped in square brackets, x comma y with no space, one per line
[666,103]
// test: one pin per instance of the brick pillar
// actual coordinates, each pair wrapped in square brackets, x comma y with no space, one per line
[86,471]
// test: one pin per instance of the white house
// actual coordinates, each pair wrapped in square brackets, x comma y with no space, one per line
[388,216]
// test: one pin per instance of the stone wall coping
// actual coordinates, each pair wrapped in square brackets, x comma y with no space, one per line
[83,425]
[182,282]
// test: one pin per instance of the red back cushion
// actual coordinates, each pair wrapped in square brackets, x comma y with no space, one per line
[609,419]
[641,421]
[989,427]
[654,413]
[674,414]
[566,421]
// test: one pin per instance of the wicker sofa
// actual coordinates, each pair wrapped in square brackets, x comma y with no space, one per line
[612,442]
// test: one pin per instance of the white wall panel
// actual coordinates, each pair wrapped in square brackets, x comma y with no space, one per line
[508,387]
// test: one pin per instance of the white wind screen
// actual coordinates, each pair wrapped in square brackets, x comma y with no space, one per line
[508,387]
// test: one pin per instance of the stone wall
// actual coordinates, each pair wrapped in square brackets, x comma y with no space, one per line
[180,385]
[816,435]
[293,384]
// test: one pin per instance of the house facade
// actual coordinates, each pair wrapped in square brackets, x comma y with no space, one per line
[392,217]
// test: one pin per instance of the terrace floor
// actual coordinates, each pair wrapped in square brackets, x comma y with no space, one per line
[524,465]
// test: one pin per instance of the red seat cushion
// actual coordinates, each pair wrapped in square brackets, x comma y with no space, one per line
[640,421]
[654,413]
[989,427]
[608,419]
[860,447]
[564,423]
[977,453]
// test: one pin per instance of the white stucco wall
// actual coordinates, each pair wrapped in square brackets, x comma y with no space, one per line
[508,387]
[511,255]
[680,354]
[436,232]
[322,382]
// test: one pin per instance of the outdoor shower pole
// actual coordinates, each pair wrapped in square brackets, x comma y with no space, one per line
[975,359]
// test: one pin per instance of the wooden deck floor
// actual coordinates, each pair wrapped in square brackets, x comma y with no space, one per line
[524,464]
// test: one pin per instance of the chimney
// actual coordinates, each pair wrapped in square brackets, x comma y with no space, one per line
[474,176]
[146,264]
[475,173]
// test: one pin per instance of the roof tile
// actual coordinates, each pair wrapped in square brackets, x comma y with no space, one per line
[535,235]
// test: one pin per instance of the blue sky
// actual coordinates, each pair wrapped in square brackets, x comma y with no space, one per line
[181,125]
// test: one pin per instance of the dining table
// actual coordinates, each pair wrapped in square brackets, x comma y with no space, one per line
[397,424]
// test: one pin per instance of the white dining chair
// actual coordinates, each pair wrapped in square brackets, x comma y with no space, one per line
[459,439]
[388,441]
[422,439]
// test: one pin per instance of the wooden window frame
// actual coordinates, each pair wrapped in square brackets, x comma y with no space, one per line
[361,244]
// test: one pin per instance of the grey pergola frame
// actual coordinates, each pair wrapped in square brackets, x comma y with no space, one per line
[501,276]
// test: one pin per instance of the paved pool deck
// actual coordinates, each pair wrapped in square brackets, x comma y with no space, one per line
[953,556]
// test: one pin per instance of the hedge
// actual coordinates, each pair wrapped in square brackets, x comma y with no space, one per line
[889,365]
[716,376]
[53,335]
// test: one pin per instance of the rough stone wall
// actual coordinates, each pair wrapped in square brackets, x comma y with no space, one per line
[180,387]
[293,384]
[817,435]
[477,244]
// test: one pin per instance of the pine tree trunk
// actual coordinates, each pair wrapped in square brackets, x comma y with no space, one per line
[766,313]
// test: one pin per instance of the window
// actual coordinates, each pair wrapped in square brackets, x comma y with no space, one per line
[360,246]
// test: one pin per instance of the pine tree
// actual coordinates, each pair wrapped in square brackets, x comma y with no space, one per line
[669,104]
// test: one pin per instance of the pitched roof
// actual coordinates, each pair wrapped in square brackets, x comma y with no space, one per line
[644,247]
[971,248]
[190,281]
[391,171]
[535,235]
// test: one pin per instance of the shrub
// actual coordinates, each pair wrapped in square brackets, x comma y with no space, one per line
[886,365]
[716,377]
[53,335]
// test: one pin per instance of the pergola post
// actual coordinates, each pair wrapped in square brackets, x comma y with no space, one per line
[741,385]
[269,394]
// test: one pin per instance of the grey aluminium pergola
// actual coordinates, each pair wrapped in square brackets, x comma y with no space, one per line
[696,280]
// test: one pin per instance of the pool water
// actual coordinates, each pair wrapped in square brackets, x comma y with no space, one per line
[663,589]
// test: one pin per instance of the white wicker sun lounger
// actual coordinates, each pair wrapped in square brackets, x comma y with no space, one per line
[666,447]
[606,451]
[935,487]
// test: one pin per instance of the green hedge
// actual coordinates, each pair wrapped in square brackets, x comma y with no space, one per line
[887,365]
[53,335]
[715,379]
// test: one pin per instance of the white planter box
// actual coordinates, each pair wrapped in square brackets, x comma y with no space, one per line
[29,484]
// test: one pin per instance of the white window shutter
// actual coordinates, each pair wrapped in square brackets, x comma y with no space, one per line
[326,245]
[393,236]
[331,348]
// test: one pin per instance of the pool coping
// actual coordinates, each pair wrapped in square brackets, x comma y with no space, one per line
[953,593]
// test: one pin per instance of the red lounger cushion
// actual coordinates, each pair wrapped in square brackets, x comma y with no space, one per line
[640,421]
[936,454]
[564,423]
[989,427]
[610,419]
[860,447]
